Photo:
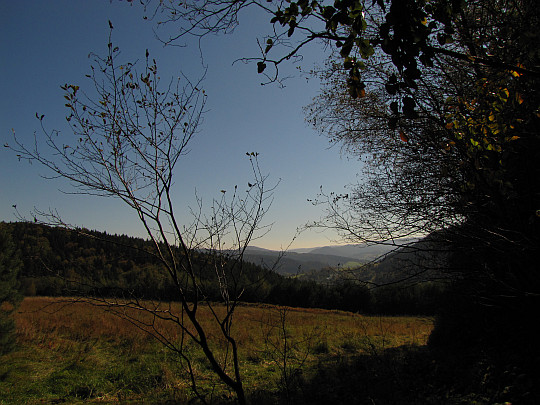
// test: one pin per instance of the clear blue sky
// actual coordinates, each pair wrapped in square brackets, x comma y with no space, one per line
[45,44]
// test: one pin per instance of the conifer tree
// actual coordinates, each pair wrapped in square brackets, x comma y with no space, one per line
[10,297]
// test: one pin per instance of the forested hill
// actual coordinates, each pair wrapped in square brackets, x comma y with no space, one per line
[110,264]
[51,256]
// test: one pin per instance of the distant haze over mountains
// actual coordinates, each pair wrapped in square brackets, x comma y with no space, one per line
[361,252]
[302,260]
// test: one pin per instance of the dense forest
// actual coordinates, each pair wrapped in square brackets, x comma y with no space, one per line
[59,262]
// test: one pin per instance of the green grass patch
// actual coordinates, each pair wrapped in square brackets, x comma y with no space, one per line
[80,354]
[352,265]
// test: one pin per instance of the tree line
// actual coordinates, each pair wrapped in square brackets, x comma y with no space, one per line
[62,262]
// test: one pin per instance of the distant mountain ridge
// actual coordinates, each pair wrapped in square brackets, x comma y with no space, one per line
[302,260]
[291,263]
[409,260]
[363,252]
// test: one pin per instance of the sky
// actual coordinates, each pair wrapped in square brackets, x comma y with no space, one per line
[46,44]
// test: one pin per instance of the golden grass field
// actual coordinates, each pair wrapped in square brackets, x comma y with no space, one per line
[70,351]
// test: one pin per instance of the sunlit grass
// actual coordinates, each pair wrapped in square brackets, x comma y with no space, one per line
[80,352]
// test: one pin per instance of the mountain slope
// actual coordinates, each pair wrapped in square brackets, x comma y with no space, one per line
[410,260]
[363,252]
[291,263]
[309,260]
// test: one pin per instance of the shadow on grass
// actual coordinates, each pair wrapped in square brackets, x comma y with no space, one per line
[411,375]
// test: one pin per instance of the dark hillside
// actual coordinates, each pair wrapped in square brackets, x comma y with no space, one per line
[58,262]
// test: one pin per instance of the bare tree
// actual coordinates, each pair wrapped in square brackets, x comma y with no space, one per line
[458,80]
[287,351]
[130,131]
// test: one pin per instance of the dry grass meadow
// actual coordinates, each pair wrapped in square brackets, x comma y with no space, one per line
[77,352]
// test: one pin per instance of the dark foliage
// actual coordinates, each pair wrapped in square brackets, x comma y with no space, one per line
[9,293]
[421,376]
[59,262]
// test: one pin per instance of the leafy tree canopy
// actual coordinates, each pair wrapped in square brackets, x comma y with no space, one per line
[411,35]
